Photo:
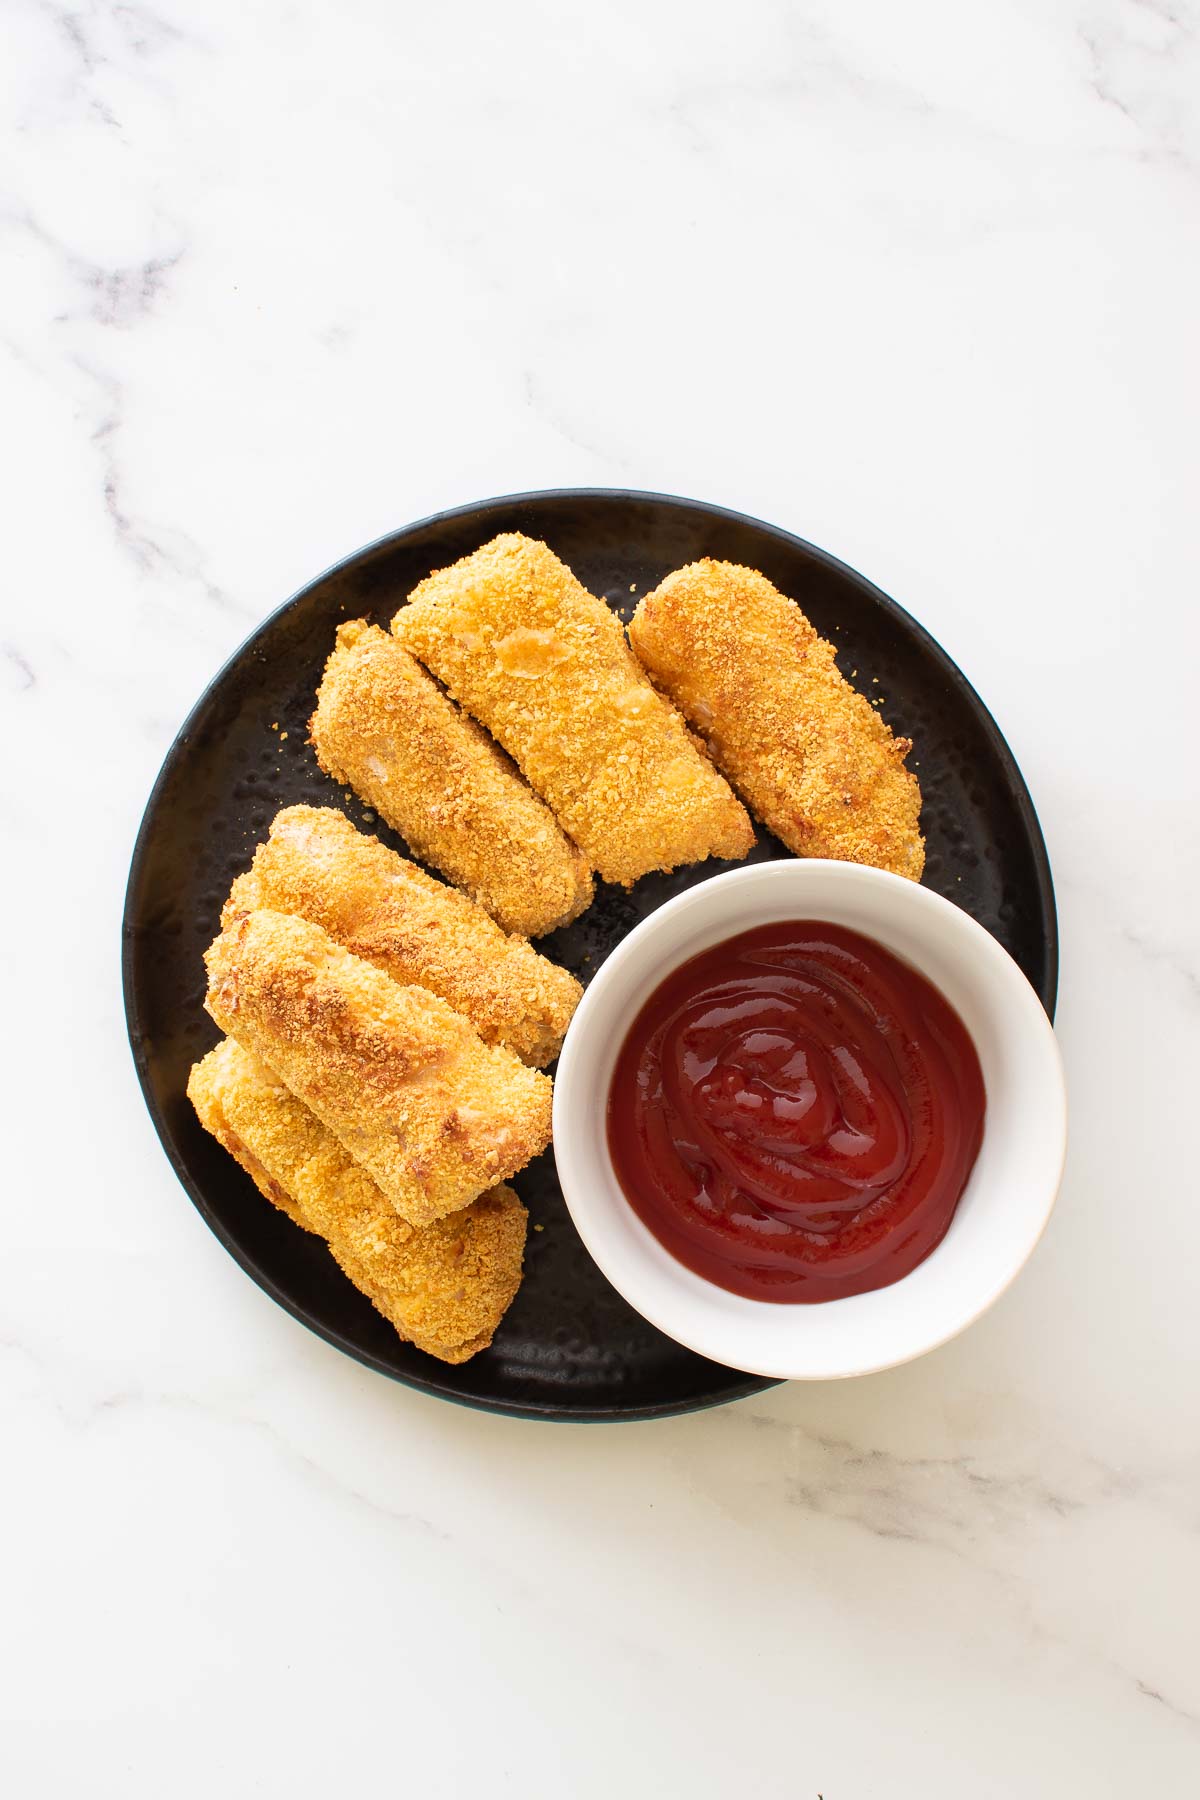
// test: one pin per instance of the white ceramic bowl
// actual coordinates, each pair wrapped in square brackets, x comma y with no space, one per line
[1008,1198]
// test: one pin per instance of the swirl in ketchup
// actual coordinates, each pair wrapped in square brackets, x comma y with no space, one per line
[794,1114]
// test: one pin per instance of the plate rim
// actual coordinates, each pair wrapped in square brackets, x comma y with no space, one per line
[550,1411]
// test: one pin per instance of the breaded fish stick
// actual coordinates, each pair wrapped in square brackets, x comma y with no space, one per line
[808,754]
[545,666]
[386,730]
[445,1286]
[404,1083]
[389,912]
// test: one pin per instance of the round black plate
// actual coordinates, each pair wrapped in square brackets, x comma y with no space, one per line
[569,1348]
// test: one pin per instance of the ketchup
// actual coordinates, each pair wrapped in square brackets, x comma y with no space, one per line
[794,1114]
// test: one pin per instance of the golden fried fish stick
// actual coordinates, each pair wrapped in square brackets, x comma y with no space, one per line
[445,1286]
[404,1083]
[388,731]
[389,912]
[808,754]
[545,666]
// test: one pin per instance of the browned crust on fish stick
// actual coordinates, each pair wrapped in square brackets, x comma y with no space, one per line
[385,729]
[445,1287]
[417,930]
[404,1082]
[808,754]
[545,666]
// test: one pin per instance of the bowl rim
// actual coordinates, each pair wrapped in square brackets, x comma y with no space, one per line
[573,1178]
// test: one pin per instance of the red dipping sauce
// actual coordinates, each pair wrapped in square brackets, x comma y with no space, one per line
[794,1114]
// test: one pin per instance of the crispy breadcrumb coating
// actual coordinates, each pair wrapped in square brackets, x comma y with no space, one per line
[389,912]
[404,1082]
[545,666]
[445,1287]
[385,729]
[811,758]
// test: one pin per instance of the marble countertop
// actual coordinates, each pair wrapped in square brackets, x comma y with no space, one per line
[919,283]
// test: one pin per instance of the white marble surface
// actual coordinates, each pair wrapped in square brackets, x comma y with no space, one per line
[919,282]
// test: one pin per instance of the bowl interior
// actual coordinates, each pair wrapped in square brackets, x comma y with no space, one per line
[1008,1197]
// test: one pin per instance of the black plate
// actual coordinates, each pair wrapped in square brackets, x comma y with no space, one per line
[569,1348]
